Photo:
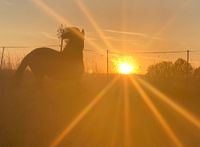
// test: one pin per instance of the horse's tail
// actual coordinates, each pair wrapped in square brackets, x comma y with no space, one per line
[19,72]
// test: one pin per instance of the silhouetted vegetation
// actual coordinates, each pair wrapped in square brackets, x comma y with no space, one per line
[179,69]
[33,117]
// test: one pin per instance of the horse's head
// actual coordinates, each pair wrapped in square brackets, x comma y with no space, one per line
[73,34]
[75,38]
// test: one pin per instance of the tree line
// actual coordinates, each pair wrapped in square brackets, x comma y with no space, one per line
[167,69]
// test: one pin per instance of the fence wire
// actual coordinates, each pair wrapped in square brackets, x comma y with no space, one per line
[96,62]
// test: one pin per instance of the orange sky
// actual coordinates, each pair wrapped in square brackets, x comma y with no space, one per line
[133,25]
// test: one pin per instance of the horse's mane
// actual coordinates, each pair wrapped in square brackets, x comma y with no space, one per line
[75,38]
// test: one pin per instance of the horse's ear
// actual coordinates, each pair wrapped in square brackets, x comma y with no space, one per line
[83,32]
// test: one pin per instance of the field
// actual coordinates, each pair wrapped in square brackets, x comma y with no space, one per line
[114,116]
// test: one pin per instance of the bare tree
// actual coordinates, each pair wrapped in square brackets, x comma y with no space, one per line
[167,69]
[161,70]
[182,67]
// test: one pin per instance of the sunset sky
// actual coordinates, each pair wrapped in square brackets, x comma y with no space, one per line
[133,25]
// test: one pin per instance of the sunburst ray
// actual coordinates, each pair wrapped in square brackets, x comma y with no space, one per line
[117,122]
[124,23]
[97,28]
[182,111]
[127,121]
[168,23]
[81,115]
[59,18]
[51,12]
[157,114]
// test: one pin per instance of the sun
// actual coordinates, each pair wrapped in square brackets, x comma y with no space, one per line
[125,68]
[125,65]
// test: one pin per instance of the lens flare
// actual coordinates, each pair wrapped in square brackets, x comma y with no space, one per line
[157,114]
[82,114]
[127,115]
[125,68]
[125,65]
[182,111]
[94,23]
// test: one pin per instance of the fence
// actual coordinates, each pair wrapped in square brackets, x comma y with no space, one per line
[96,62]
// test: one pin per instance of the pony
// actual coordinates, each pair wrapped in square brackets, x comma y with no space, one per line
[64,65]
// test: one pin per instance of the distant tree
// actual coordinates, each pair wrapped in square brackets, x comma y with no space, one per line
[168,69]
[161,70]
[197,72]
[181,67]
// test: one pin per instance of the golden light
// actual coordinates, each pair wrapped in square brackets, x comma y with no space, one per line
[157,114]
[93,22]
[125,65]
[82,114]
[181,110]
[127,115]
[125,68]
[61,19]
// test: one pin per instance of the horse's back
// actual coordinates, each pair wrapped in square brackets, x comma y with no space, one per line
[43,60]
[51,63]
[43,52]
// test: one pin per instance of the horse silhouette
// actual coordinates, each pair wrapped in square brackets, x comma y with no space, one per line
[47,62]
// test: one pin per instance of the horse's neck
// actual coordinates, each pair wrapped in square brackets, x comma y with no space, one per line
[73,49]
[75,45]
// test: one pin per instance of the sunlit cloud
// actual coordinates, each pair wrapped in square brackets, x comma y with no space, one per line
[113,36]
[93,22]
[185,113]
[134,34]
[126,33]
[81,115]
[157,114]
[118,39]
[49,36]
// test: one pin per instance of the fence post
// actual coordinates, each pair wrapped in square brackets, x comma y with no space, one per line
[2,56]
[61,45]
[188,59]
[107,54]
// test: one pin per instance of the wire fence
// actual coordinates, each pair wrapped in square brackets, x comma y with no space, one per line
[96,62]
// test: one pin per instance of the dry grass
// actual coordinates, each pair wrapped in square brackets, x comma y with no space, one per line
[33,117]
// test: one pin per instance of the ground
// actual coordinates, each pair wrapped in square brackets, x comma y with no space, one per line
[32,116]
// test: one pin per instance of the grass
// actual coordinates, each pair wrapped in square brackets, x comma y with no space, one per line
[34,117]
